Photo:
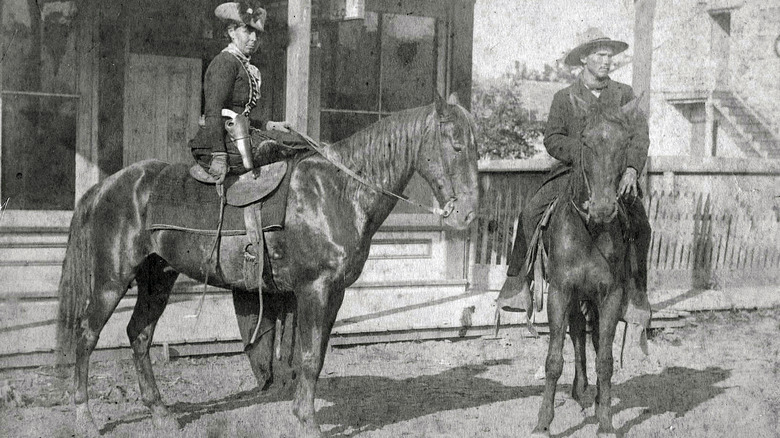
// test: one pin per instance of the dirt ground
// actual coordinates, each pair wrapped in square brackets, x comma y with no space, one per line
[717,377]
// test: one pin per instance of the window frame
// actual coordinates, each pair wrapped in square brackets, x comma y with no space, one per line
[86,171]
[443,82]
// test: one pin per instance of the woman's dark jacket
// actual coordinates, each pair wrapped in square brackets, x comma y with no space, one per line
[226,85]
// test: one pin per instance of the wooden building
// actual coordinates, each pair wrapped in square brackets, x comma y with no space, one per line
[89,87]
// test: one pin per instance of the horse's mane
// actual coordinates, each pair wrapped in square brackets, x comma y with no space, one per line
[386,150]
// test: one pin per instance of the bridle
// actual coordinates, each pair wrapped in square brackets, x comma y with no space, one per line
[584,214]
[449,206]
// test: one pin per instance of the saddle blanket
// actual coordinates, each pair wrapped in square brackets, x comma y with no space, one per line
[179,202]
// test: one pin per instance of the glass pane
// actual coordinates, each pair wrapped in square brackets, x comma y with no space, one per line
[350,65]
[40,46]
[38,156]
[338,126]
[408,61]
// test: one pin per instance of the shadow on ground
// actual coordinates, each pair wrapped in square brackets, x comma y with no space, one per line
[676,390]
[366,403]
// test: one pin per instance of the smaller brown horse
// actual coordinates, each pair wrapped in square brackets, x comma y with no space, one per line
[588,259]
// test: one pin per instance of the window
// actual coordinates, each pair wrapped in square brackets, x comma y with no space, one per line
[39,104]
[374,67]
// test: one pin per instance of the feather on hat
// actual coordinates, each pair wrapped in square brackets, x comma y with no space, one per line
[247,12]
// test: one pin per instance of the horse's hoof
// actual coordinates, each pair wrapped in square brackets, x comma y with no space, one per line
[539,432]
[163,420]
[165,424]
[309,431]
[85,424]
[606,433]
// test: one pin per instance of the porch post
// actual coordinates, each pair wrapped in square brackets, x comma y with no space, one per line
[297,93]
[644,17]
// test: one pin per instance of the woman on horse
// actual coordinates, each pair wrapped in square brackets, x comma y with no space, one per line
[562,141]
[231,83]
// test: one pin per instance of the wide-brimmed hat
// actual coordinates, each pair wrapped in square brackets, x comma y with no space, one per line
[249,13]
[589,40]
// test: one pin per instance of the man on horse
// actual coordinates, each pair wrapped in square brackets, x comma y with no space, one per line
[562,139]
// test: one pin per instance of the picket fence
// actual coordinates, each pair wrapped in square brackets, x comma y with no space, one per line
[700,239]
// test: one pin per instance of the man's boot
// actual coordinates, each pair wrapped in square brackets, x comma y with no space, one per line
[515,295]
[637,307]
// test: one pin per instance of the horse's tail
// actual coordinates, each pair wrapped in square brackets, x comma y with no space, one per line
[76,285]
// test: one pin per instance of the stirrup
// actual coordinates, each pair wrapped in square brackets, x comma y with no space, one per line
[200,174]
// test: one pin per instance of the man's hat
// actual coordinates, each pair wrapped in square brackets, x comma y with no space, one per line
[247,12]
[589,40]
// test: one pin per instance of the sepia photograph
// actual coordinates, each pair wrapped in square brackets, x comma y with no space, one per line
[390,218]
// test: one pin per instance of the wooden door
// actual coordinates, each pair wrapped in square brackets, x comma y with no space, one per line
[162,107]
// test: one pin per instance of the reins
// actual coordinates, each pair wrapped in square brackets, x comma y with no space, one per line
[443,212]
[584,215]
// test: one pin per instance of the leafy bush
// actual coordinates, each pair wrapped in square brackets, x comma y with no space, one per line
[505,128]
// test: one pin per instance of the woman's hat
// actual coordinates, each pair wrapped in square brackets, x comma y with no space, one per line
[589,40]
[247,12]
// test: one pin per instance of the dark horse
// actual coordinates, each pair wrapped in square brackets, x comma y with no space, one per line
[588,256]
[330,220]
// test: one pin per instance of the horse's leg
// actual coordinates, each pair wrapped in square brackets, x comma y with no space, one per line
[557,312]
[609,313]
[594,337]
[594,324]
[104,299]
[317,309]
[577,333]
[155,281]
[260,354]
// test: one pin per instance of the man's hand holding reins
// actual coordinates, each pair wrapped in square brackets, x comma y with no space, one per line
[628,183]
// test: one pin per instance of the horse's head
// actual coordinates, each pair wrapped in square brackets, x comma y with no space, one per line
[447,160]
[602,161]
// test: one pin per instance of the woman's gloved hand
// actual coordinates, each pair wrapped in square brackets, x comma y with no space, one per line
[278,126]
[219,167]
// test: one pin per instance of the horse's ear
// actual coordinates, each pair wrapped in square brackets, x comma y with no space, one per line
[453,99]
[634,108]
[442,107]
[579,104]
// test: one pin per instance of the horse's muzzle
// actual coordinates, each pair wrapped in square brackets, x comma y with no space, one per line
[602,212]
[458,215]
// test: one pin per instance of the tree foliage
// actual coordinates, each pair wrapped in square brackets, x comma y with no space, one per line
[507,128]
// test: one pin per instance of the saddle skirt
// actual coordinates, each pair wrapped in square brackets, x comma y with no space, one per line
[179,202]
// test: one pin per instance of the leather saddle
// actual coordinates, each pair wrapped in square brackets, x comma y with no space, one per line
[248,187]
[248,191]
